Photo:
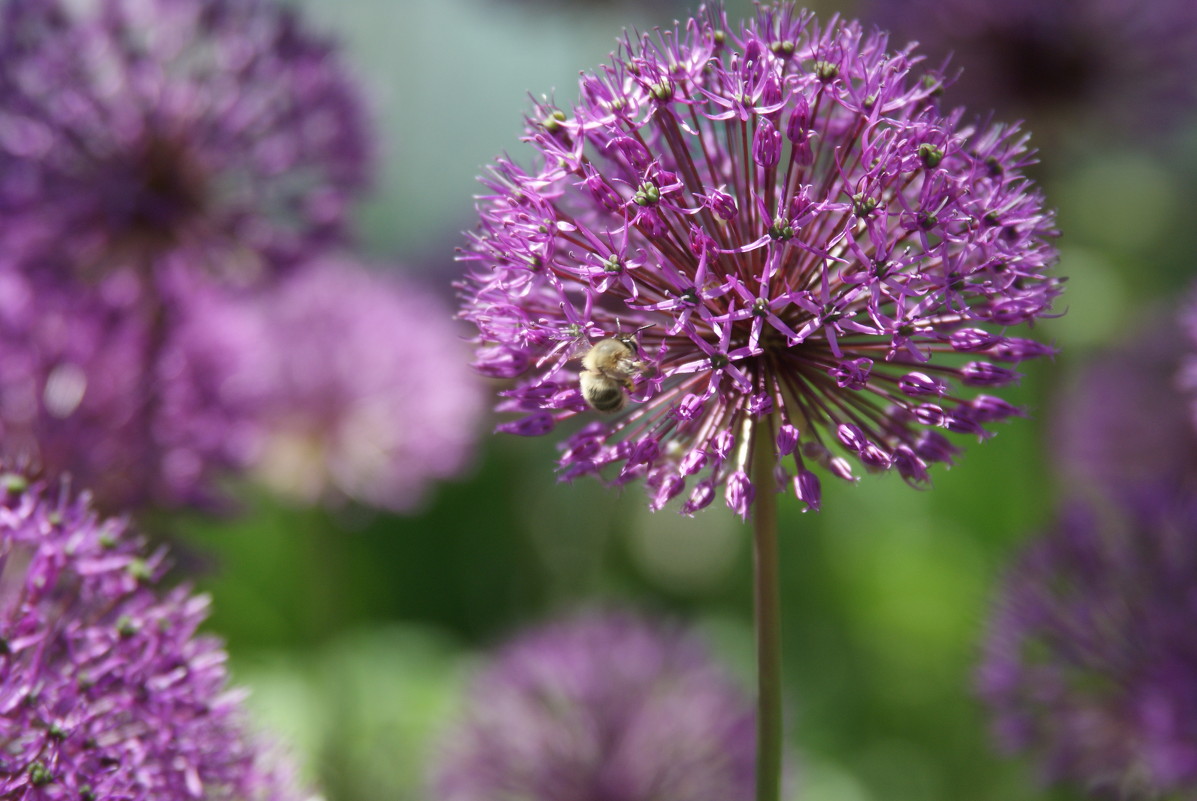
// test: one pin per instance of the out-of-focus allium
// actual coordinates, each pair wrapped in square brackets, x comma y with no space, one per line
[658,9]
[152,154]
[95,386]
[106,690]
[1091,654]
[365,385]
[133,127]
[1071,67]
[1187,377]
[800,250]
[602,707]
[1124,426]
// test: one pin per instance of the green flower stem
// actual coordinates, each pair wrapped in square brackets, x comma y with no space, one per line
[768,628]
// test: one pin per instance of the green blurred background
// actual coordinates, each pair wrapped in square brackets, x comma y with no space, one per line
[356,630]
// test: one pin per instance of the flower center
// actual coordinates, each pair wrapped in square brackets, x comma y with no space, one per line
[155,195]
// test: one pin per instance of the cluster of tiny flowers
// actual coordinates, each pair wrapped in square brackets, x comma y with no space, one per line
[1187,374]
[129,127]
[106,690]
[365,388]
[799,250]
[1125,425]
[601,707]
[1070,66]
[78,396]
[1090,657]
[155,157]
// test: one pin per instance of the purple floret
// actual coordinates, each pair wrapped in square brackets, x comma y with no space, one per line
[805,251]
[106,689]
[604,707]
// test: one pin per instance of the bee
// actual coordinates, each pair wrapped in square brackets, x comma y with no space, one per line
[607,372]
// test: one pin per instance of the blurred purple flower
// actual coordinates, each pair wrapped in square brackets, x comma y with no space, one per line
[1091,656]
[154,154]
[1124,426]
[655,9]
[95,386]
[1071,67]
[106,690]
[800,251]
[604,707]
[1186,377]
[364,387]
[129,128]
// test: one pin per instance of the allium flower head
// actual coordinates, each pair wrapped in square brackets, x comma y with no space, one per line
[1073,67]
[364,387]
[1091,655]
[1187,375]
[141,411]
[1125,426]
[153,153]
[133,127]
[605,707]
[801,251]
[106,690]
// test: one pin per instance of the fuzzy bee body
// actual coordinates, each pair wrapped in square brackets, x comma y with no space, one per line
[607,372]
[604,394]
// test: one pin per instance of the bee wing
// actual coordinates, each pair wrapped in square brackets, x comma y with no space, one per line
[569,347]
[580,347]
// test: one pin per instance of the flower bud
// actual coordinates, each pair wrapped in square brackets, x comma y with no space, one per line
[766,144]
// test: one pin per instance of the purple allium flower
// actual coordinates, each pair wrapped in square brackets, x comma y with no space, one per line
[366,393]
[153,153]
[106,690]
[1124,426]
[1187,375]
[659,9]
[1072,67]
[95,387]
[1091,658]
[129,128]
[604,707]
[800,250]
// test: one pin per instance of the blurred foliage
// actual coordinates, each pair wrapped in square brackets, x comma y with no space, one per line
[356,628]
